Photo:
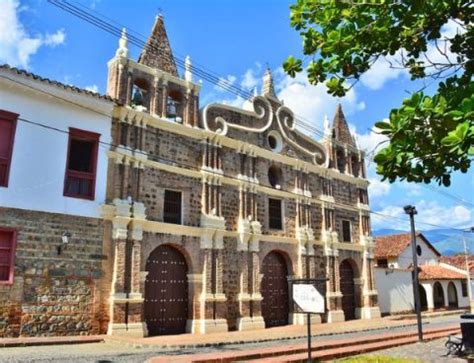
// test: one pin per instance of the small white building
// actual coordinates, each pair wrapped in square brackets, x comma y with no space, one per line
[441,286]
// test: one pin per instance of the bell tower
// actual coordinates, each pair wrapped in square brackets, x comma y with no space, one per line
[152,84]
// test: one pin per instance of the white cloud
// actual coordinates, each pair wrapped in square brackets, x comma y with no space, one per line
[55,39]
[93,88]
[381,72]
[17,46]
[371,141]
[249,79]
[378,188]
[431,215]
[310,102]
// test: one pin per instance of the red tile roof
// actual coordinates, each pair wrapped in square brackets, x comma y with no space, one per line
[391,246]
[436,272]
[459,262]
[54,83]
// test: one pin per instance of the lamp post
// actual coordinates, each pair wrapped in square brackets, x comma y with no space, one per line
[411,211]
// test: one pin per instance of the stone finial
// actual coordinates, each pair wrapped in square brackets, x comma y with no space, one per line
[327,128]
[122,50]
[188,75]
[268,86]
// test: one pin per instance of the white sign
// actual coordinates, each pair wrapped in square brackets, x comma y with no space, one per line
[308,298]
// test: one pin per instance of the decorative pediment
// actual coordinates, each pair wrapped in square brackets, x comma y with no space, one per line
[220,119]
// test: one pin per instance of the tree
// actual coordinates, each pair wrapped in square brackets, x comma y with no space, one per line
[430,136]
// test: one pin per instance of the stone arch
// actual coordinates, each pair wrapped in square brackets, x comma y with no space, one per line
[438,295]
[275,176]
[274,289]
[423,298]
[452,295]
[140,92]
[166,309]
[348,272]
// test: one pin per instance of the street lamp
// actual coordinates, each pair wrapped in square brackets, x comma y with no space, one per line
[411,211]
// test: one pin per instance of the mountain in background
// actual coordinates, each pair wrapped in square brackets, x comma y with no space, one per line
[447,241]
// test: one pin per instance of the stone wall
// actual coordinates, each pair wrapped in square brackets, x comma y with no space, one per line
[54,294]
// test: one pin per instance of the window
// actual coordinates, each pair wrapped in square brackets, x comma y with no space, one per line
[172,207]
[274,214]
[464,288]
[81,164]
[7,254]
[275,177]
[363,196]
[346,231]
[382,263]
[7,135]
[275,141]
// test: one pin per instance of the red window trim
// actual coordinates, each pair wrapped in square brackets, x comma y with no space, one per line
[13,117]
[12,256]
[90,136]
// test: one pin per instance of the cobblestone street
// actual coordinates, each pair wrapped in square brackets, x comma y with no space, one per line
[121,352]
[429,352]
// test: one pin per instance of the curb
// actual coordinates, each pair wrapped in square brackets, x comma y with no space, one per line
[28,342]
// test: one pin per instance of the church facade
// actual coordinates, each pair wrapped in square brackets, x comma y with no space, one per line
[211,210]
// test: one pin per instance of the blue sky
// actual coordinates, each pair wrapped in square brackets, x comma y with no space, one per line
[236,40]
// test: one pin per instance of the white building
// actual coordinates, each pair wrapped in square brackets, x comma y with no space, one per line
[54,140]
[441,286]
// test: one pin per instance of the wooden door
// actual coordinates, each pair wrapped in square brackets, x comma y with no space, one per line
[275,303]
[166,292]
[346,275]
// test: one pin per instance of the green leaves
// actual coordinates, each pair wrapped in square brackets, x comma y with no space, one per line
[292,66]
[430,136]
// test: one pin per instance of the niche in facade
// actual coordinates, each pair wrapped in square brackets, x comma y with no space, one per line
[275,141]
[141,93]
[275,177]
[174,106]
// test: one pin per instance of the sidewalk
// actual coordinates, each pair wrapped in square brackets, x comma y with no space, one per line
[288,332]
[26,341]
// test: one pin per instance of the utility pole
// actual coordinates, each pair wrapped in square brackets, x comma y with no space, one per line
[411,211]
[468,271]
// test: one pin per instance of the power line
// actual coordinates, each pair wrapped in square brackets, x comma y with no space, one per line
[209,76]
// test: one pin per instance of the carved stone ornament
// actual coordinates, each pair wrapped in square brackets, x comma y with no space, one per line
[215,119]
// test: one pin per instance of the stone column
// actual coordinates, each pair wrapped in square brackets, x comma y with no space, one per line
[126,300]
[164,100]
[155,104]
[334,296]
[369,308]
[195,306]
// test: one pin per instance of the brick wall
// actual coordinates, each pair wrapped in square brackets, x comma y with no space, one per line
[54,294]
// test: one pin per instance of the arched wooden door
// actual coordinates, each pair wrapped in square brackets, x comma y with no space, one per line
[166,292]
[452,295]
[438,295]
[346,275]
[275,303]
[423,299]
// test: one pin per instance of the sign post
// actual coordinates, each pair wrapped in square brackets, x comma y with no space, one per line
[309,300]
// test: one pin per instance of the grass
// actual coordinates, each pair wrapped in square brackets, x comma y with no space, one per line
[377,359]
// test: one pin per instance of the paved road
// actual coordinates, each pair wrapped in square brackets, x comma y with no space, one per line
[114,352]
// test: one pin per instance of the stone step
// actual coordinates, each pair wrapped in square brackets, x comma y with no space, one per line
[318,345]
